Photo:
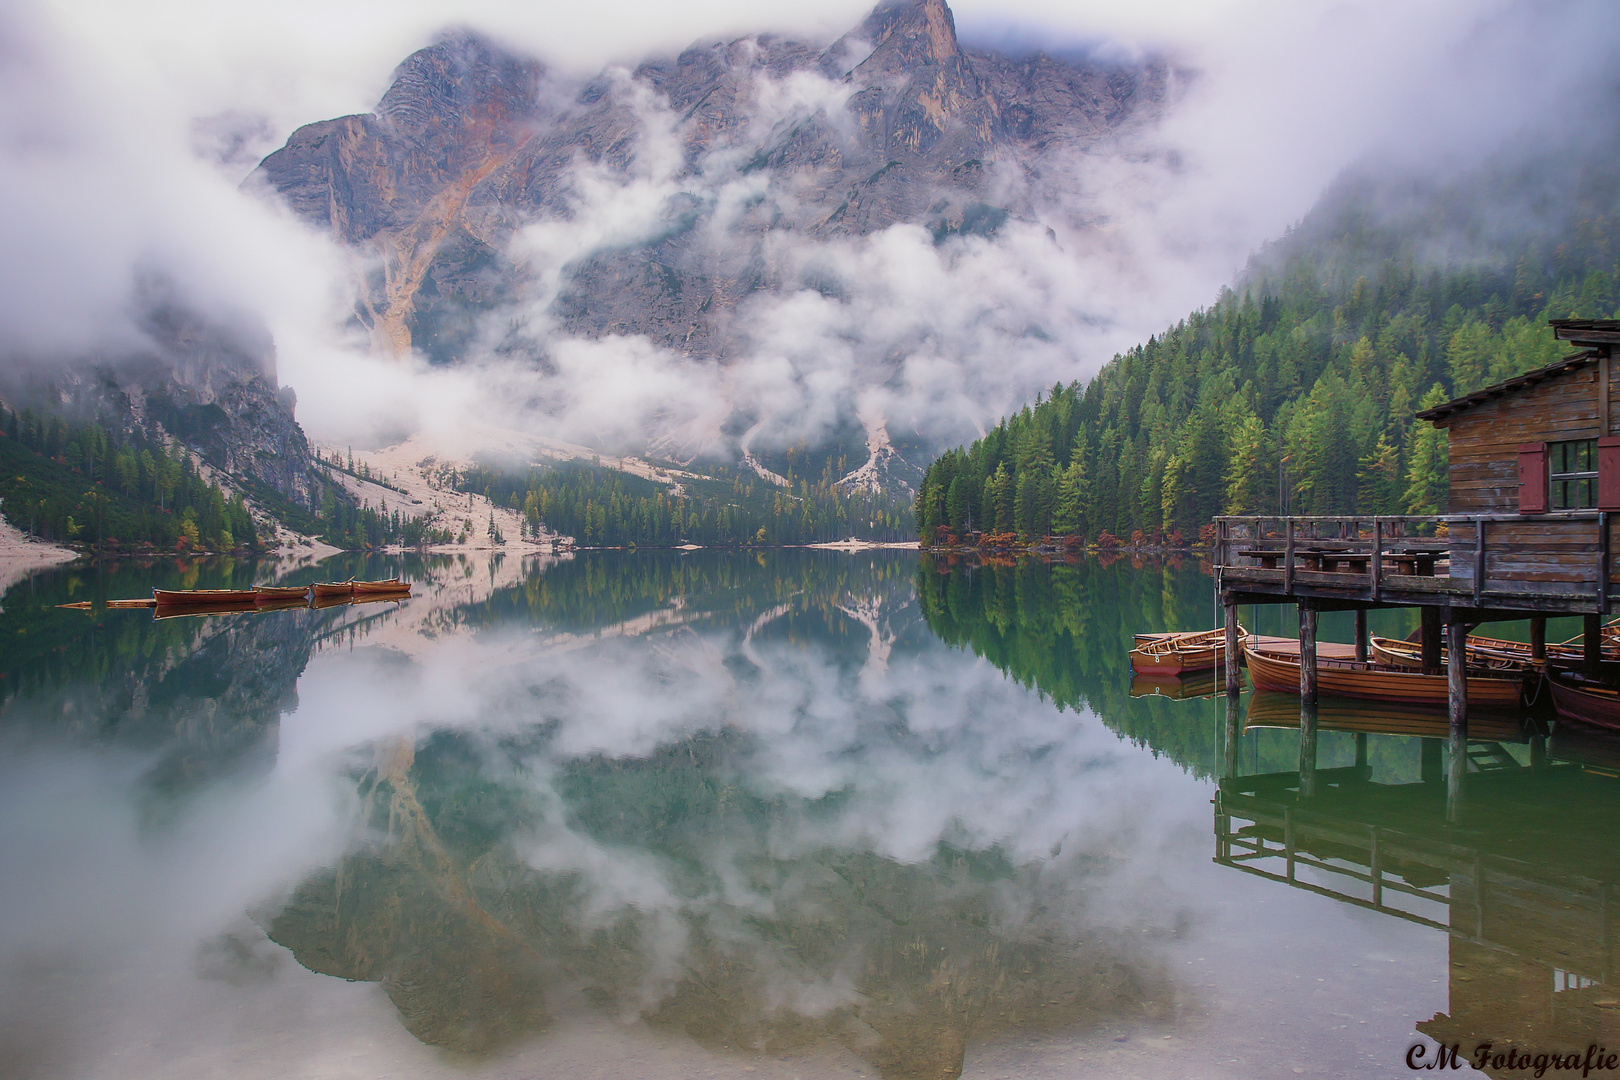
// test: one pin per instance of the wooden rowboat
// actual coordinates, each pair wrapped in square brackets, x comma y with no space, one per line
[1407,655]
[197,597]
[1276,669]
[333,588]
[263,593]
[1495,653]
[1586,699]
[1172,655]
[389,585]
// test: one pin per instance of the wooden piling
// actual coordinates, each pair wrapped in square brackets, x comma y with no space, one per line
[1361,634]
[1307,654]
[1431,639]
[1592,643]
[1234,655]
[1538,638]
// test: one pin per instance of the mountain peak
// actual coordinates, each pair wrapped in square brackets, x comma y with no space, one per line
[905,35]
[462,78]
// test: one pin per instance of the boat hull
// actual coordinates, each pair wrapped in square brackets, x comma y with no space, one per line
[266,593]
[1366,682]
[1594,706]
[1170,656]
[390,587]
[332,588]
[201,597]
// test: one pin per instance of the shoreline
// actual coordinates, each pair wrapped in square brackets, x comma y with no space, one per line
[22,556]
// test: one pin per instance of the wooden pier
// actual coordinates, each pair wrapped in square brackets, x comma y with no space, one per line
[1534,479]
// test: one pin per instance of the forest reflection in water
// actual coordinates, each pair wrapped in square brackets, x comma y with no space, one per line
[766,805]
[1350,800]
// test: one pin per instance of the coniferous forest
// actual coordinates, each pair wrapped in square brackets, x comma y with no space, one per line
[1293,393]
[715,506]
[111,489]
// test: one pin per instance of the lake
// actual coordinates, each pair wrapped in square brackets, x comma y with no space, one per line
[769,814]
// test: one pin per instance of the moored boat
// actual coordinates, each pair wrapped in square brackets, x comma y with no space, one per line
[1171,655]
[1165,656]
[1395,653]
[212,607]
[388,585]
[264,593]
[333,588]
[1586,699]
[1496,653]
[198,597]
[1277,669]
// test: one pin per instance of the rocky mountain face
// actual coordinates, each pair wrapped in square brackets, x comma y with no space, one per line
[208,381]
[759,142]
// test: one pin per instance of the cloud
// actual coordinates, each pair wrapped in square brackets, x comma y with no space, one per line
[124,134]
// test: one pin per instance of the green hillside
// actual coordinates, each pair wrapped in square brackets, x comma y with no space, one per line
[1296,391]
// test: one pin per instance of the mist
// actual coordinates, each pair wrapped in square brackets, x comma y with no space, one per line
[125,138]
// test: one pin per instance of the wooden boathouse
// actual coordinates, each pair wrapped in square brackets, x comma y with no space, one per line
[1534,477]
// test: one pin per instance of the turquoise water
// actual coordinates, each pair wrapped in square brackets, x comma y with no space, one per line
[769,814]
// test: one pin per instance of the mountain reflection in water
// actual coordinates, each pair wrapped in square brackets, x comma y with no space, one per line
[670,814]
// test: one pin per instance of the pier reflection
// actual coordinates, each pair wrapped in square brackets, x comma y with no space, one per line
[1522,881]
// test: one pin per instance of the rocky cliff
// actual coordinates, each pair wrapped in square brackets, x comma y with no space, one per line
[207,380]
[750,144]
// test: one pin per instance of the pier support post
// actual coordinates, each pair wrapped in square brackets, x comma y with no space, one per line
[1431,640]
[1234,654]
[1457,702]
[1307,654]
[1592,643]
[1538,638]
[1307,747]
[1361,634]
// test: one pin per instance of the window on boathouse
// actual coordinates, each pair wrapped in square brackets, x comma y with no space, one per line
[1572,474]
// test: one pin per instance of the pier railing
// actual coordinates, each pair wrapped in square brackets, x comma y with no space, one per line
[1551,561]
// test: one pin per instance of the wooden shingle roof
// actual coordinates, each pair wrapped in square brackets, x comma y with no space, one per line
[1511,386]
[1587,331]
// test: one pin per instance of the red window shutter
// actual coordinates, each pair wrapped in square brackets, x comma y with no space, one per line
[1608,493]
[1533,478]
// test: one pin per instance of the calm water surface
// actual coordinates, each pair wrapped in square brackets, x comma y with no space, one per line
[792,814]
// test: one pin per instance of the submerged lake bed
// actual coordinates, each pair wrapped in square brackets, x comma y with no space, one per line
[780,813]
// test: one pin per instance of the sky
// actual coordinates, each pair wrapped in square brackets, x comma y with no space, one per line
[110,165]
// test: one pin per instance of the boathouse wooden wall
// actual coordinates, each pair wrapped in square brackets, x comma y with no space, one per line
[1485,439]
[1536,552]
